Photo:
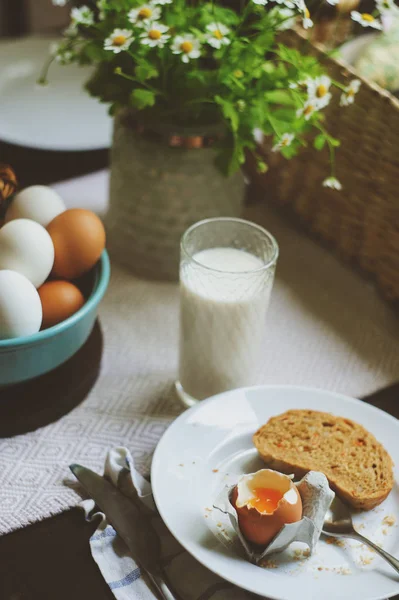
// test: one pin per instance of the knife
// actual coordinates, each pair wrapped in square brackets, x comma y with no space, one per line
[132,524]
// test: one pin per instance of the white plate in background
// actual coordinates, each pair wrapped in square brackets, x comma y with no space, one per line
[59,116]
[210,446]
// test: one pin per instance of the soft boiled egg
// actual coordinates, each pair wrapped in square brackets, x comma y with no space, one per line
[265,501]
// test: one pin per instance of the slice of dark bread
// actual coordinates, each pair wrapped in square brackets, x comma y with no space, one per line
[357,466]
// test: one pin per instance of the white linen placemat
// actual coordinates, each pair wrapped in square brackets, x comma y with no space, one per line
[327,327]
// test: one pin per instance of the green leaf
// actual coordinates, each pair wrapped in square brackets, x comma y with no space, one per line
[145,71]
[142,98]
[319,141]
[281,97]
[229,112]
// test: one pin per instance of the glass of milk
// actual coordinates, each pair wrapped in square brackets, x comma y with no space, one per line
[226,277]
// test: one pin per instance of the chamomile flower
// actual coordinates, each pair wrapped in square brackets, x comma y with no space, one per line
[162,2]
[119,40]
[260,2]
[285,141]
[59,2]
[318,90]
[306,21]
[154,35]
[386,5]
[307,109]
[286,18]
[186,45]
[366,20]
[217,36]
[82,15]
[333,183]
[144,14]
[348,95]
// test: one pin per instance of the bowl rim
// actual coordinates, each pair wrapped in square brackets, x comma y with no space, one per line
[97,293]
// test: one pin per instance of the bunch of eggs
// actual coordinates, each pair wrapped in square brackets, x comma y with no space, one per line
[44,249]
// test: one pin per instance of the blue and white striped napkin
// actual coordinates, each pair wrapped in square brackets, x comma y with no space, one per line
[188,579]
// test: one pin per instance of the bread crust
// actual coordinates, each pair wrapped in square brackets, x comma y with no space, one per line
[357,466]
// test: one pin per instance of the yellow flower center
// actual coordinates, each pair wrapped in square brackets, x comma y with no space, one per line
[186,47]
[154,34]
[367,17]
[307,13]
[145,13]
[285,142]
[350,92]
[217,34]
[308,110]
[119,40]
[238,73]
[321,91]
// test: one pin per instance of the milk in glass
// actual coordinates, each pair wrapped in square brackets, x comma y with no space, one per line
[224,298]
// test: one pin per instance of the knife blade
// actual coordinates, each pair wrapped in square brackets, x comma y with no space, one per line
[132,524]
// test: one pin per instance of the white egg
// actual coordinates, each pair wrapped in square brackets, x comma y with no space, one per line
[20,306]
[26,247]
[38,202]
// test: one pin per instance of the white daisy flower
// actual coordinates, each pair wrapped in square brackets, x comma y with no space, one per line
[260,2]
[286,18]
[348,95]
[307,109]
[285,140]
[366,20]
[318,90]
[386,6]
[307,21]
[287,3]
[333,183]
[59,2]
[119,40]
[162,2]
[82,15]
[144,14]
[155,35]
[217,36]
[186,45]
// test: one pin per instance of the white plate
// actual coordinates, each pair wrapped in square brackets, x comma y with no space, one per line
[60,116]
[211,445]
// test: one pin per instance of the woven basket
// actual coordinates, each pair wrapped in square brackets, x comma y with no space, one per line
[362,221]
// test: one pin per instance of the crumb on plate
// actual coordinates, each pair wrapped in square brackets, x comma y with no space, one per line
[208,509]
[215,470]
[344,571]
[301,554]
[269,564]
[181,465]
[389,520]
[336,542]
[366,560]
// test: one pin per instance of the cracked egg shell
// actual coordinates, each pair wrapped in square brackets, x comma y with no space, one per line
[265,501]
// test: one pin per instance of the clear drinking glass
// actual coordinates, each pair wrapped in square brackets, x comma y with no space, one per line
[226,277]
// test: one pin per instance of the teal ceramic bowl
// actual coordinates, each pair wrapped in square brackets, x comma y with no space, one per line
[25,358]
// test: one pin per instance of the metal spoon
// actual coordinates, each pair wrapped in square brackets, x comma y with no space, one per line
[338,523]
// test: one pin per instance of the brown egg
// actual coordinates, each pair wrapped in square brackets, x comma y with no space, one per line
[265,501]
[79,238]
[60,300]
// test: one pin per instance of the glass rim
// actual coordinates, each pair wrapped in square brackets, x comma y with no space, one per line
[267,234]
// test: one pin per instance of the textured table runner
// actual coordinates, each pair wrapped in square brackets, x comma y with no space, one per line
[327,327]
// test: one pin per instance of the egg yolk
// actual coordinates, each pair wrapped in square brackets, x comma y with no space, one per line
[265,500]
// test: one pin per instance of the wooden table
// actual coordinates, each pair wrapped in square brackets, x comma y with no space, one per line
[51,560]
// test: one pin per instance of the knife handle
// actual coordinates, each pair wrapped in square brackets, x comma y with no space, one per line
[161,587]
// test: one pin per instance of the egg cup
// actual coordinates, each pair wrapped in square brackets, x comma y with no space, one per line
[316,497]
